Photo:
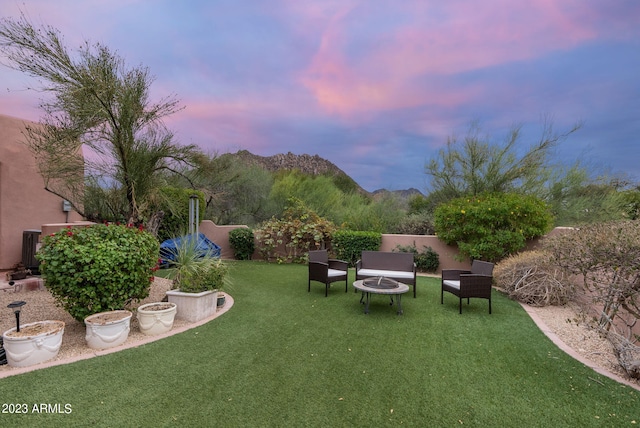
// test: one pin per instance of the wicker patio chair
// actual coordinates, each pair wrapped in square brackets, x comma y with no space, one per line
[325,270]
[466,284]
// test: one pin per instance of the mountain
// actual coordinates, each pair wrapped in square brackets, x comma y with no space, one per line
[311,165]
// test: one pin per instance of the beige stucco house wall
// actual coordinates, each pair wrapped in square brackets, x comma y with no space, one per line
[24,204]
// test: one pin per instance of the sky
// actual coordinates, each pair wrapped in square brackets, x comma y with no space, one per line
[375,86]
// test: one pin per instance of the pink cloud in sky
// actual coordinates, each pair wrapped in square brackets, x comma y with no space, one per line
[466,37]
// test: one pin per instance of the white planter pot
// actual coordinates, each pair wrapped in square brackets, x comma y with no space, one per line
[35,343]
[107,329]
[194,307]
[156,318]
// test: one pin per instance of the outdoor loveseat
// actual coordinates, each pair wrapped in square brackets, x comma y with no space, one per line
[397,266]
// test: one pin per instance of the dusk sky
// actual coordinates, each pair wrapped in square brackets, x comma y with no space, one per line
[374,86]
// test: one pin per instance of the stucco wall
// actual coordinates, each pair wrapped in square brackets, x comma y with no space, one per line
[220,236]
[24,204]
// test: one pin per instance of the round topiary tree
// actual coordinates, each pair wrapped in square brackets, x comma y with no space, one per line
[98,268]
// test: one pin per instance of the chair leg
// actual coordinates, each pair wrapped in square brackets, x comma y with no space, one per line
[414,290]
[346,285]
[326,289]
[309,286]
[460,305]
[441,295]
[489,305]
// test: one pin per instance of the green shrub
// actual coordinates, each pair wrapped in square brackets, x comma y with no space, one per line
[98,268]
[242,241]
[289,239]
[491,226]
[348,245]
[426,261]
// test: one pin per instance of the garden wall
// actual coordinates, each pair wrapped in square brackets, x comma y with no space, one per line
[24,204]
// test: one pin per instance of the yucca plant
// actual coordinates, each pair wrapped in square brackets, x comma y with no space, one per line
[196,268]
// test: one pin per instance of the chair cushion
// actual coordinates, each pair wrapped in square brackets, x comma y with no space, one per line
[451,283]
[387,273]
[332,273]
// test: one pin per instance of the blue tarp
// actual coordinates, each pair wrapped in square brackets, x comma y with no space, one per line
[204,246]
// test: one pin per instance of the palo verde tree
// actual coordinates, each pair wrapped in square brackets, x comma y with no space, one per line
[477,165]
[97,102]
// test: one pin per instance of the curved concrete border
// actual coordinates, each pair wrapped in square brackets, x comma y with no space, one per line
[149,339]
[571,352]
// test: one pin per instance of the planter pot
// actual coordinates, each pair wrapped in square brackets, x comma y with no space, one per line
[34,343]
[107,329]
[156,318]
[194,307]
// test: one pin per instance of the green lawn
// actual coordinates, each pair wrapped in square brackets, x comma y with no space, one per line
[285,357]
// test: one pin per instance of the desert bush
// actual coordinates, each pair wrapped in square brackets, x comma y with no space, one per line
[299,230]
[530,277]
[491,226]
[416,224]
[98,268]
[242,241]
[603,258]
[426,260]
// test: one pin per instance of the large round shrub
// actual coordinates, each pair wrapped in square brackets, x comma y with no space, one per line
[98,268]
[492,226]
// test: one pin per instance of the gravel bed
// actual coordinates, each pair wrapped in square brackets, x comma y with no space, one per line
[41,306]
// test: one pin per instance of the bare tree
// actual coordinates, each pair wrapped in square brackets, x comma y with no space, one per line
[97,103]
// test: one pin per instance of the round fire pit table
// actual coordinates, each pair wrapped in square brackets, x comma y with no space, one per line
[381,285]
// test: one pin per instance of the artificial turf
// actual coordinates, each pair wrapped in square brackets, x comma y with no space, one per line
[283,356]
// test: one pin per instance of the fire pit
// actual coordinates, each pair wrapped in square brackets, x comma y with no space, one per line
[381,285]
[381,282]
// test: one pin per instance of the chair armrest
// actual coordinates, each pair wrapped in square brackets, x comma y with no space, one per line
[358,265]
[454,273]
[338,264]
[318,271]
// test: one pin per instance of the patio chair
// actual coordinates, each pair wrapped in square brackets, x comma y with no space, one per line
[466,284]
[325,270]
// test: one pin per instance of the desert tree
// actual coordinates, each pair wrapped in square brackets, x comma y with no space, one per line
[477,164]
[98,103]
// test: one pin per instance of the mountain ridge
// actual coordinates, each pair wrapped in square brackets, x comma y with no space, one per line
[313,165]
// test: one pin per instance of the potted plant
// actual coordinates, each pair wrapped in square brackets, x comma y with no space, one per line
[198,275]
[98,269]
[156,318]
